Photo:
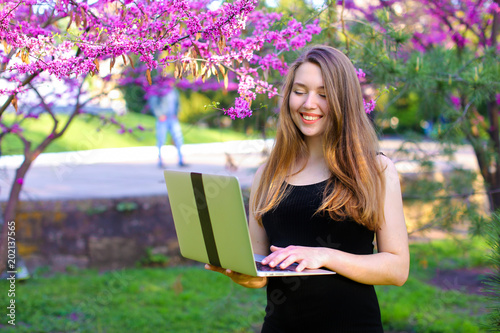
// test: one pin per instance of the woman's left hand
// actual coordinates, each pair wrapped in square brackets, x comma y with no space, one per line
[244,280]
[306,257]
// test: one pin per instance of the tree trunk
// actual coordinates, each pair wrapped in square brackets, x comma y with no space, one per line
[15,191]
[10,208]
[491,185]
[17,184]
[492,109]
[494,173]
[489,161]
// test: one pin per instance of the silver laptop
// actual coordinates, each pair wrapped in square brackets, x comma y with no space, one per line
[211,224]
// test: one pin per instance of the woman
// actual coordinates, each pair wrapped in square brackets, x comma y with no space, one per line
[323,195]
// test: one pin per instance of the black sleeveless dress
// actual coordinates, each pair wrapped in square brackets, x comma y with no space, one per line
[329,303]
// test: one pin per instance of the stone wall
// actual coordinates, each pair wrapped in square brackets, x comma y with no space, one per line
[105,234]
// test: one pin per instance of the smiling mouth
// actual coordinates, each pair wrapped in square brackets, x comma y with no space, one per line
[310,116]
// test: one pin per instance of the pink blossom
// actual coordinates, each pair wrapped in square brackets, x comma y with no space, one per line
[459,40]
[360,74]
[456,102]
[20,181]
[241,109]
[494,7]
[369,106]
[146,29]
[15,128]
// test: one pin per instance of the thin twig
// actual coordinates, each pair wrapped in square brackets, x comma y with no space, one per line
[461,118]
[19,3]
[343,26]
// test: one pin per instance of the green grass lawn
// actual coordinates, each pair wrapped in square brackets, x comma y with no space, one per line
[86,132]
[191,299]
[137,300]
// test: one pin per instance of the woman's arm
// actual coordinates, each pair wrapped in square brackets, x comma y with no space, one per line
[389,266]
[260,244]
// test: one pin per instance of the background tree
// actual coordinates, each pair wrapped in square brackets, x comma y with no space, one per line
[68,41]
[440,58]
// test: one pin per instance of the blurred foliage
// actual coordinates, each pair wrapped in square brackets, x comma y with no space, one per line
[126,206]
[134,98]
[152,259]
[417,95]
[493,283]
[192,107]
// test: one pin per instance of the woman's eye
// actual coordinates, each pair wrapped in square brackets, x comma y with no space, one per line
[323,95]
[299,92]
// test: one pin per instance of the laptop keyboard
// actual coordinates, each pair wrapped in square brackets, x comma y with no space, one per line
[266,268]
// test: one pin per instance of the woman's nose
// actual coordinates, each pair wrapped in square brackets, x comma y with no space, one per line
[311,101]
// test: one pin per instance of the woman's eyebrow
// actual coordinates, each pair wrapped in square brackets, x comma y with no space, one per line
[304,86]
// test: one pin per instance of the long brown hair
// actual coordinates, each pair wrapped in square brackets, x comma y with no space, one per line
[350,145]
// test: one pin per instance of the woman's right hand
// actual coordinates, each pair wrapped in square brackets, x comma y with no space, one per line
[244,280]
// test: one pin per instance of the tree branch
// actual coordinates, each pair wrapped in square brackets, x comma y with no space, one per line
[44,104]
[461,118]
[11,97]
[495,27]
[75,111]
[18,4]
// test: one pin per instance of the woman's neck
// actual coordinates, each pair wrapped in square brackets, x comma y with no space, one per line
[315,147]
[312,168]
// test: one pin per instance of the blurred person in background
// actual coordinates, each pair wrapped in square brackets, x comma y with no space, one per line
[166,108]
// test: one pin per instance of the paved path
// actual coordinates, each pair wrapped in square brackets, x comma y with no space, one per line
[130,172]
[126,172]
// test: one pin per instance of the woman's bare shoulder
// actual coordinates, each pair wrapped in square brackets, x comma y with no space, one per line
[260,170]
[258,175]
[385,161]
[389,169]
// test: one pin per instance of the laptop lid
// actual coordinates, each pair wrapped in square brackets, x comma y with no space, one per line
[210,220]
[211,224]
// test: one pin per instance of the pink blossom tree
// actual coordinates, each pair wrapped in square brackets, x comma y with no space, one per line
[66,42]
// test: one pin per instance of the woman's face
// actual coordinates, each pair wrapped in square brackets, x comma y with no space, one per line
[308,105]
